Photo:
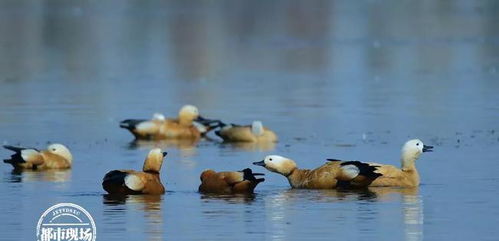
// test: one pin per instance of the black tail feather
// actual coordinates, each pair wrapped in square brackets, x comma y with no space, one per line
[130,124]
[250,176]
[333,160]
[15,159]
[17,148]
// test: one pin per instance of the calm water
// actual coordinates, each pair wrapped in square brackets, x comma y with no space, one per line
[335,79]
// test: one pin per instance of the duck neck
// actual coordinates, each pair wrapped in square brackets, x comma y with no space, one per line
[411,173]
[154,173]
[185,121]
[408,164]
[296,177]
[290,173]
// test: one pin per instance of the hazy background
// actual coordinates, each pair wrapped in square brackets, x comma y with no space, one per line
[334,79]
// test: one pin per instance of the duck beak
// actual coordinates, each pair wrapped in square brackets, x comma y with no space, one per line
[164,153]
[260,163]
[200,119]
[427,148]
[205,121]
[258,174]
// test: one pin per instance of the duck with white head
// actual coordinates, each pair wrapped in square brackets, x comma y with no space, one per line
[351,174]
[407,175]
[56,156]
[131,182]
[188,125]
[331,175]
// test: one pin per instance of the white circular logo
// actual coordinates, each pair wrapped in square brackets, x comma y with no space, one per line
[66,221]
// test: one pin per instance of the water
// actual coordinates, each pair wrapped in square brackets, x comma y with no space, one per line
[335,79]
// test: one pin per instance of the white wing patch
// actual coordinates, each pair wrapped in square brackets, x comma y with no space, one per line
[30,155]
[201,128]
[257,128]
[147,127]
[134,182]
[158,116]
[351,171]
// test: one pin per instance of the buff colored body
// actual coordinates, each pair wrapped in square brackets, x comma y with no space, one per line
[251,133]
[229,182]
[407,175]
[56,156]
[146,181]
[182,127]
[328,176]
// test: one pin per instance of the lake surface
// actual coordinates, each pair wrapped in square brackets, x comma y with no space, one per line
[335,79]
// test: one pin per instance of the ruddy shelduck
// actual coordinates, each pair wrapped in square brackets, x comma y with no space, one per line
[255,132]
[240,182]
[333,174]
[130,182]
[407,175]
[188,124]
[56,156]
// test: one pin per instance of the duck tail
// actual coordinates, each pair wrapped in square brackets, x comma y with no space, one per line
[249,175]
[113,182]
[15,158]
[130,124]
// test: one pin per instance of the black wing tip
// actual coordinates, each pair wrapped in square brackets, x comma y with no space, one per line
[130,124]
[333,160]
[13,148]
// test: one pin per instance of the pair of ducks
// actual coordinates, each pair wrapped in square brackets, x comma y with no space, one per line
[147,181]
[333,174]
[191,125]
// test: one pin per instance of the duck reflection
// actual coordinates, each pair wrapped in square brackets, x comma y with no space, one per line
[412,208]
[37,176]
[251,146]
[187,147]
[327,195]
[117,206]
[181,144]
[229,198]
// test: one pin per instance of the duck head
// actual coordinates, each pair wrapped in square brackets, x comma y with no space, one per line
[187,114]
[154,160]
[60,150]
[411,151]
[277,164]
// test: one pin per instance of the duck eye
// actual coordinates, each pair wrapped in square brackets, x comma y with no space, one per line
[270,159]
[417,144]
[53,149]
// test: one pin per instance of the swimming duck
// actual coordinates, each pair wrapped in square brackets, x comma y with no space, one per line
[130,182]
[56,156]
[189,124]
[407,175]
[243,182]
[255,132]
[333,174]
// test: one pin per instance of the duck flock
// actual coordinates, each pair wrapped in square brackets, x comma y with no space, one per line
[190,125]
